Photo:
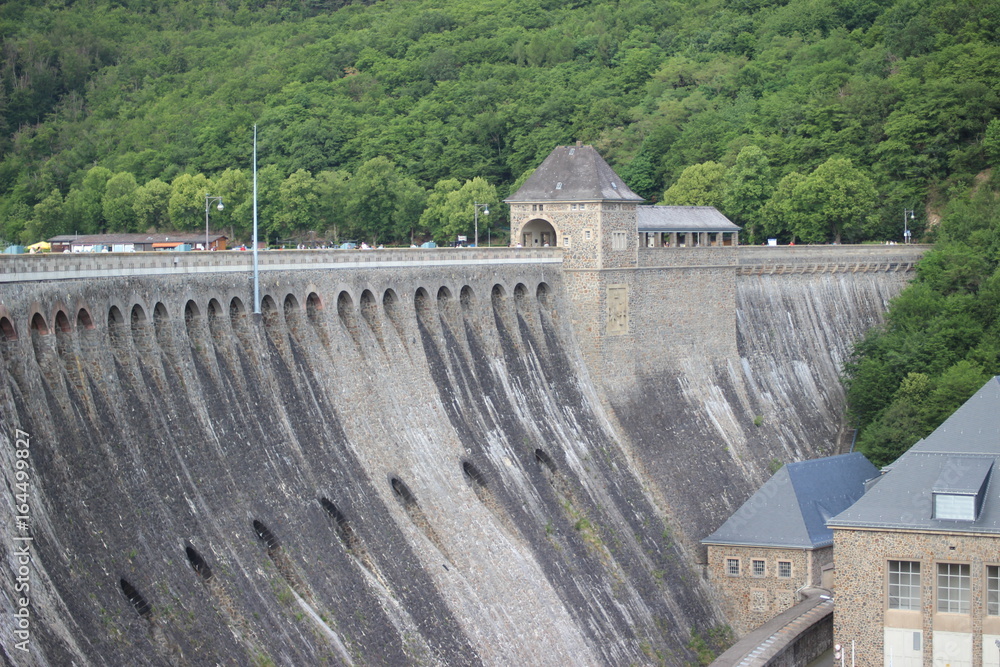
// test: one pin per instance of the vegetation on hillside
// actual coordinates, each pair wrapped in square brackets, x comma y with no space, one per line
[815,120]
[941,341]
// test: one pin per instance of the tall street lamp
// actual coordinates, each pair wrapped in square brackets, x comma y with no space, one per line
[907,217]
[208,200]
[486,211]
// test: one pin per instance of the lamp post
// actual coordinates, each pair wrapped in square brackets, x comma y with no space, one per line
[486,211]
[208,200]
[907,216]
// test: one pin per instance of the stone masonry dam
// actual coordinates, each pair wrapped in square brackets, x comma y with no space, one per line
[410,457]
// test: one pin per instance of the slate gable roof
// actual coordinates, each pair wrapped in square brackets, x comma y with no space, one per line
[574,173]
[683,219]
[963,451]
[169,237]
[792,508]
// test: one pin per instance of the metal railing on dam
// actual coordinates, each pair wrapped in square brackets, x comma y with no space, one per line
[77,266]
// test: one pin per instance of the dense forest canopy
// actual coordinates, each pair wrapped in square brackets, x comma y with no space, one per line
[808,120]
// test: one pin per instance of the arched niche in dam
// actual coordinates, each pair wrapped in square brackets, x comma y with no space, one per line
[448,307]
[348,316]
[269,311]
[63,330]
[369,313]
[544,295]
[393,310]
[141,333]
[161,325]
[467,300]
[8,333]
[216,323]
[293,314]
[117,331]
[38,325]
[314,307]
[238,316]
[84,322]
[62,322]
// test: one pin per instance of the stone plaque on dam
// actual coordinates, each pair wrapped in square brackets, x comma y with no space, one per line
[409,456]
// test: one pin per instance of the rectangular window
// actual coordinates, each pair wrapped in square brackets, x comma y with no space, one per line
[759,569]
[586,235]
[733,567]
[785,569]
[566,241]
[904,584]
[993,590]
[618,241]
[953,588]
[583,206]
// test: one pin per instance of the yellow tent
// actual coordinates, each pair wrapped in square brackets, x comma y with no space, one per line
[40,246]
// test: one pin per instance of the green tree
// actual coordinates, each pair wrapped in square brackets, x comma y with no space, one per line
[85,205]
[186,207]
[150,205]
[781,214]
[298,199]
[698,185]
[47,220]
[235,186]
[749,185]
[379,197]
[837,200]
[118,202]
[331,188]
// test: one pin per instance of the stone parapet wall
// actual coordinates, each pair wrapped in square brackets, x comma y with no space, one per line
[74,266]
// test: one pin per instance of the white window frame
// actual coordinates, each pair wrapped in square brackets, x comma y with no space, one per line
[758,567]
[954,588]
[904,585]
[733,567]
[780,570]
[993,590]
[619,240]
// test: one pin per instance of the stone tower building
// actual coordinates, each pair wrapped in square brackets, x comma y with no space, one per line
[618,276]
[576,201]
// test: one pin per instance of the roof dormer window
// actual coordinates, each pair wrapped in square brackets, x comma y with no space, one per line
[961,488]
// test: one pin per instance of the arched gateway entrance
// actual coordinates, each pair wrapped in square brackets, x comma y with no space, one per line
[538,233]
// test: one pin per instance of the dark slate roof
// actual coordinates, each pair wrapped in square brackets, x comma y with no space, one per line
[574,173]
[683,219]
[169,237]
[966,447]
[792,508]
[64,238]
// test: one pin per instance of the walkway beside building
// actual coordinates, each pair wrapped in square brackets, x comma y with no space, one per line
[794,637]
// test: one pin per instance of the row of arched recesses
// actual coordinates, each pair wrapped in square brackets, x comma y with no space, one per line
[137,328]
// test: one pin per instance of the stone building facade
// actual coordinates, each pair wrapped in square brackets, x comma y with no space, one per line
[777,544]
[918,557]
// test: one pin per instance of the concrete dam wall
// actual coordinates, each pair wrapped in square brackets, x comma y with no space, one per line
[405,460]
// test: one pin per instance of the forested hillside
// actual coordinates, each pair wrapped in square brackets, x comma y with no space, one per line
[941,342]
[813,120]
